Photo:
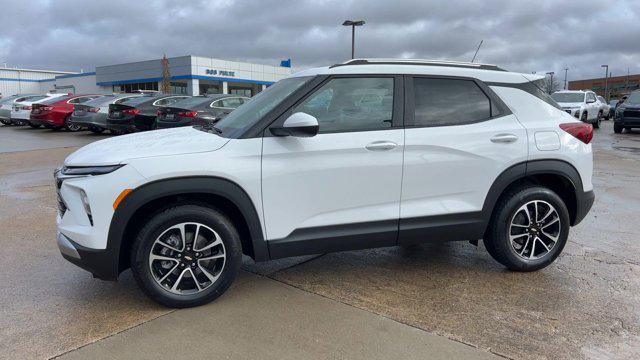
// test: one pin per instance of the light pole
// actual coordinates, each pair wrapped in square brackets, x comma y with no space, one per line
[353,24]
[550,89]
[606,83]
[565,77]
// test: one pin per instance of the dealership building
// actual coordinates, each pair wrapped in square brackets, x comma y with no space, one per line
[616,85]
[191,75]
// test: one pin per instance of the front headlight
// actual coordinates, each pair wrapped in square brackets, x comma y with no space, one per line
[89,170]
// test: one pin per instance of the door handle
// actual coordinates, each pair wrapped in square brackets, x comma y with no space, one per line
[381,145]
[504,138]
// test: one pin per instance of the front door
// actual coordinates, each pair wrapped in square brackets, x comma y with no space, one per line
[340,189]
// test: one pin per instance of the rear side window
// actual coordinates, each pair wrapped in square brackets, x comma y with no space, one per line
[440,102]
[351,104]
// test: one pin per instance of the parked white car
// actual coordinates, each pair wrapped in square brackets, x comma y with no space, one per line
[580,104]
[6,105]
[605,108]
[368,153]
[21,110]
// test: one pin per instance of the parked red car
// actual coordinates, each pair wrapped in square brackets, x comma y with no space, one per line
[55,113]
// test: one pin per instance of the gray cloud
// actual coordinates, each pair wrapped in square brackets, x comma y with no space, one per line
[544,35]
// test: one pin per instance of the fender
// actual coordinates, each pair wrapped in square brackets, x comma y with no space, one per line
[520,171]
[185,185]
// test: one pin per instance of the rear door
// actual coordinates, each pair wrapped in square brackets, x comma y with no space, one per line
[339,189]
[459,138]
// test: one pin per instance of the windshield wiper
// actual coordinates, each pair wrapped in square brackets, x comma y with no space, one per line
[209,126]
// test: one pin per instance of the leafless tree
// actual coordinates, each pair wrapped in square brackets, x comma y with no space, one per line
[165,84]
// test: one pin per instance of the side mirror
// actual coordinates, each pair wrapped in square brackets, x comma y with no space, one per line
[299,124]
[590,101]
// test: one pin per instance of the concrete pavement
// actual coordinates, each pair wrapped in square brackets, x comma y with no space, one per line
[433,299]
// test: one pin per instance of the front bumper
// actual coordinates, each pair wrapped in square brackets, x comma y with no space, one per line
[627,121]
[101,263]
[584,202]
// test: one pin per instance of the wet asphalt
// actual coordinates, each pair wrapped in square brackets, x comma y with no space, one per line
[585,305]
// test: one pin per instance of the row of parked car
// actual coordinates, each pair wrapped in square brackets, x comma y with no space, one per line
[592,108]
[118,113]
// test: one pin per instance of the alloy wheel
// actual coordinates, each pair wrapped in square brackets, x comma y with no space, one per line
[534,230]
[187,258]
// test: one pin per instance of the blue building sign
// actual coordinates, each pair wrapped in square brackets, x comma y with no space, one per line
[220,72]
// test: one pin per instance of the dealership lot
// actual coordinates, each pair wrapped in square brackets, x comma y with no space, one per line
[586,304]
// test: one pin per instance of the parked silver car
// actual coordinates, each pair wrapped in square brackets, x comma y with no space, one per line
[93,114]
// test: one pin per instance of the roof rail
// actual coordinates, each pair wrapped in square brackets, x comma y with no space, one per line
[459,64]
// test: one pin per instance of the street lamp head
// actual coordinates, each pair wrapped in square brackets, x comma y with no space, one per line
[550,73]
[604,66]
[353,23]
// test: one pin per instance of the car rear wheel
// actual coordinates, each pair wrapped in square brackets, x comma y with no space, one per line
[5,121]
[529,229]
[617,128]
[69,126]
[186,256]
[584,117]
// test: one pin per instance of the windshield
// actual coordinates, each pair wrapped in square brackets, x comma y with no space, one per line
[568,97]
[54,100]
[101,101]
[33,98]
[254,109]
[9,99]
[633,99]
[189,103]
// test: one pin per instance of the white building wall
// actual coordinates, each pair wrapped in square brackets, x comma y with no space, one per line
[84,84]
[25,81]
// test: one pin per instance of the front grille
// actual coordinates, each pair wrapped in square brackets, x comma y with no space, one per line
[632,113]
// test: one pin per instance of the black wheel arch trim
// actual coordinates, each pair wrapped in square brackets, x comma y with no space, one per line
[182,186]
[538,167]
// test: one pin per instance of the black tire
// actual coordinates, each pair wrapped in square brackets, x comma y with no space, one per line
[617,128]
[96,130]
[164,220]
[597,123]
[116,132]
[498,243]
[584,117]
[69,126]
[35,126]
[47,126]
[5,121]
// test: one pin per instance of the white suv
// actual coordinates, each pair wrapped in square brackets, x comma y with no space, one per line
[364,154]
[583,105]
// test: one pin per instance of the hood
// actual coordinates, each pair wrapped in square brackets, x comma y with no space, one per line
[116,150]
[629,106]
[570,104]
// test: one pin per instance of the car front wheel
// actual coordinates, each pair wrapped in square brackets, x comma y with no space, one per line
[186,256]
[529,229]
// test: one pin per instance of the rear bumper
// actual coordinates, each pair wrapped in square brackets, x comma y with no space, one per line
[101,263]
[86,121]
[584,202]
[173,124]
[120,125]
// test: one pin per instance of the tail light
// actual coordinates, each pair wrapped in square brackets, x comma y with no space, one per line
[158,113]
[189,114]
[93,109]
[580,131]
[47,108]
[26,107]
[130,111]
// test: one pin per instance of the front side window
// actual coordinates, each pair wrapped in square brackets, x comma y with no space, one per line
[633,99]
[440,102]
[351,104]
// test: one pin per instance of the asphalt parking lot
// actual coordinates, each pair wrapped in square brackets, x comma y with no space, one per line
[440,301]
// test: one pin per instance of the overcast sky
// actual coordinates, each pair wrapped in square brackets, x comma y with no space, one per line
[527,36]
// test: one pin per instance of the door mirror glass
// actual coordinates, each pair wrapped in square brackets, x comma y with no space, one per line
[298,124]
